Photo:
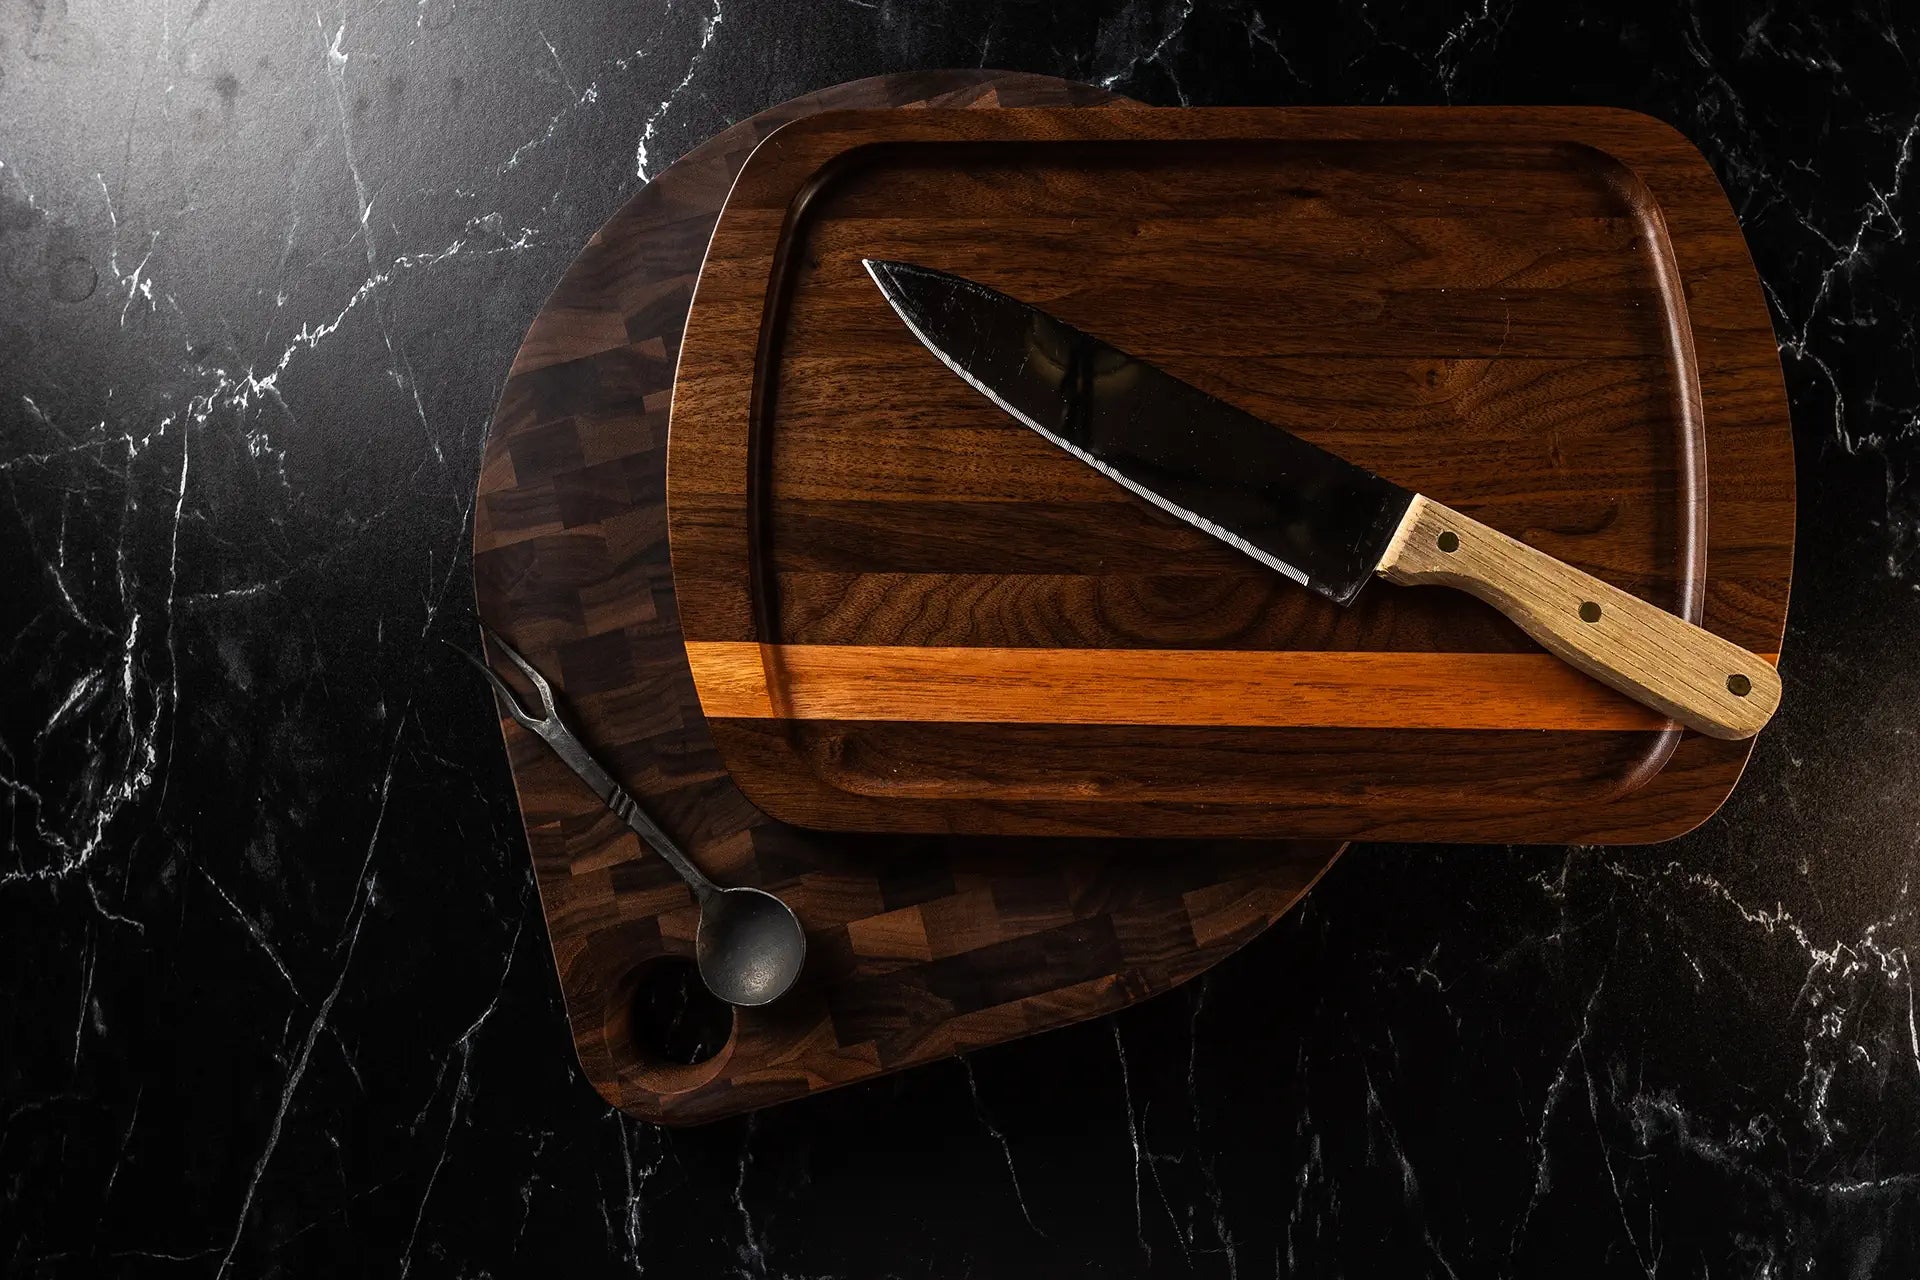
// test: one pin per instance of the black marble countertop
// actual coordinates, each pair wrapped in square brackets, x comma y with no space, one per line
[275,996]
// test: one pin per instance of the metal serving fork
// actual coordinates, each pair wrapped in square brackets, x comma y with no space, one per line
[749,946]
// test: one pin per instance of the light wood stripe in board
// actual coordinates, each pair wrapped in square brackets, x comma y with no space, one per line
[1186,687]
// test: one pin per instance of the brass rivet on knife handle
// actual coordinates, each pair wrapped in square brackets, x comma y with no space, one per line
[1667,663]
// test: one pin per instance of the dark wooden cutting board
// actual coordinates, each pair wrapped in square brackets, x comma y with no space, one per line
[905,611]
[918,947]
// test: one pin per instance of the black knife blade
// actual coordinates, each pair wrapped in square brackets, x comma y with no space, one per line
[1288,503]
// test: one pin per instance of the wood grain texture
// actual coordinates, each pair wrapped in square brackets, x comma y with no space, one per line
[917,947]
[1702,681]
[1546,318]
[1225,688]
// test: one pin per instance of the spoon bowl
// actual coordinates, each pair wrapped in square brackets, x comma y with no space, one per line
[749,946]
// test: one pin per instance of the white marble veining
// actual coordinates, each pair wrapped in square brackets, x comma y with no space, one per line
[274,991]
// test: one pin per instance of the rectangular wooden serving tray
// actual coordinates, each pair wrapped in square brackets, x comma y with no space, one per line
[904,611]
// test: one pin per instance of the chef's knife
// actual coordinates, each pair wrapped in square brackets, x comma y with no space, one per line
[1320,520]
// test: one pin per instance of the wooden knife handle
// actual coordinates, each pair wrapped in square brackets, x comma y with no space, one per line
[1669,664]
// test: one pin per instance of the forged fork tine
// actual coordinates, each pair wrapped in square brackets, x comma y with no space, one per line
[502,694]
[527,669]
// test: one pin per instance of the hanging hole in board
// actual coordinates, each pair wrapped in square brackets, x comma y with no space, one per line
[676,1020]
[1589,612]
[1449,541]
[1738,685]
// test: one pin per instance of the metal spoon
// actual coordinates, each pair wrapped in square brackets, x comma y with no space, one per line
[749,946]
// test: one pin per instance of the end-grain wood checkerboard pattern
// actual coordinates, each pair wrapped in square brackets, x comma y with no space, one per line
[918,947]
